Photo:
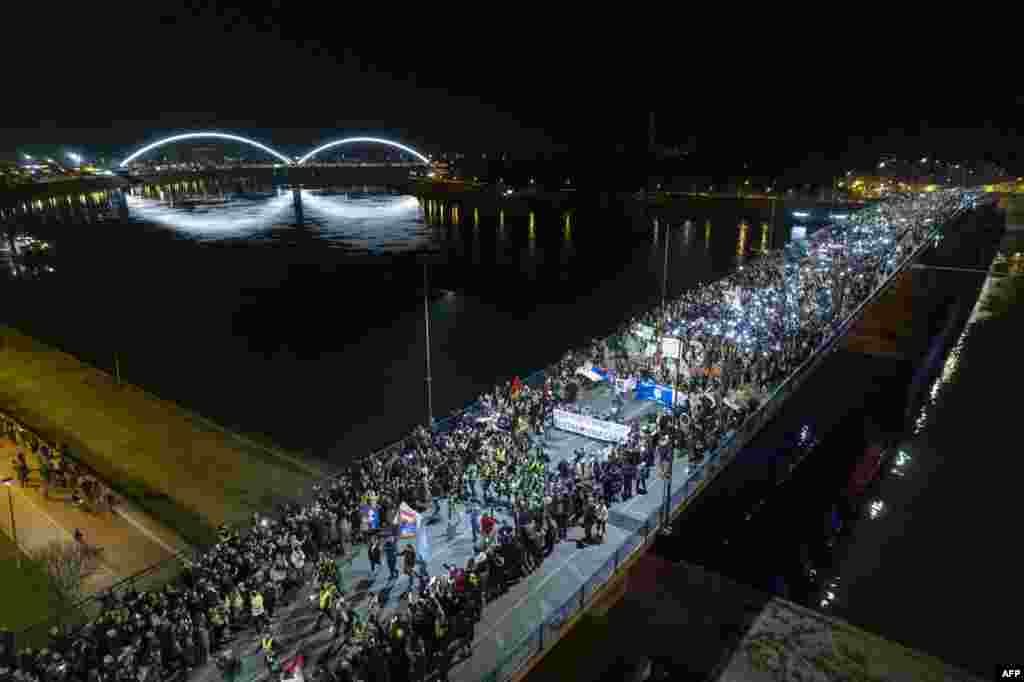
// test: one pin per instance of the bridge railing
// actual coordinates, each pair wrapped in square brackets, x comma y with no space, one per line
[540,638]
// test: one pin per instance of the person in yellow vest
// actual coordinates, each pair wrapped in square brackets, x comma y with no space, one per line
[259,613]
[218,624]
[328,593]
[269,655]
[238,607]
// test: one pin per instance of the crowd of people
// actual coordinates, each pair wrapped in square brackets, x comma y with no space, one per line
[57,470]
[738,335]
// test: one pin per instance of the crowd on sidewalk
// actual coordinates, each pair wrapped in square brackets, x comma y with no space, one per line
[56,468]
[750,329]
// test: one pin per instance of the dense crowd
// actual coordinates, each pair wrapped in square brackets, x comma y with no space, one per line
[738,336]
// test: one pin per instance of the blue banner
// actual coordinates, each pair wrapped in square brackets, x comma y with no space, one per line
[648,390]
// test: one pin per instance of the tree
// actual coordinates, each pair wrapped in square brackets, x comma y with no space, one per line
[66,566]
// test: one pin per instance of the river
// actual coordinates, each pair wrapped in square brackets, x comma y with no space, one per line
[306,323]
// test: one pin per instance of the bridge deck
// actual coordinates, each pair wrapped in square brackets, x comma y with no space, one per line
[531,616]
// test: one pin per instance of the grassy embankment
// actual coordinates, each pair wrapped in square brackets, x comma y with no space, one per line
[27,597]
[185,471]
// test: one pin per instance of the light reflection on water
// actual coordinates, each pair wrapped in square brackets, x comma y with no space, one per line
[355,221]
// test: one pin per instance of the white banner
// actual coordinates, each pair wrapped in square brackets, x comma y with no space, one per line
[670,348]
[590,427]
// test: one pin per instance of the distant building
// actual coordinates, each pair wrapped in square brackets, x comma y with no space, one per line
[440,168]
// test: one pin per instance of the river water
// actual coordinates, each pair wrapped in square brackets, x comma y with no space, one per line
[306,322]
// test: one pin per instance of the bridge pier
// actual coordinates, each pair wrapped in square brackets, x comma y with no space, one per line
[297,202]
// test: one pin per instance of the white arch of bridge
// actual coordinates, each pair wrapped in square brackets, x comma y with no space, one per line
[258,145]
[354,140]
[200,135]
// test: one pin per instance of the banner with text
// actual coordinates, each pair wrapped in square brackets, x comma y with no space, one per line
[648,390]
[590,427]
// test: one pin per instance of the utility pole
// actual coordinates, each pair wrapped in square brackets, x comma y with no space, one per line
[426,326]
[664,277]
[9,482]
[667,476]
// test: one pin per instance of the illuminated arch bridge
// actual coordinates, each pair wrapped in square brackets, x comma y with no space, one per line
[281,157]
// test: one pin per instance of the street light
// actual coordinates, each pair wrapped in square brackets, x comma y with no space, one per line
[9,482]
[426,259]
[426,326]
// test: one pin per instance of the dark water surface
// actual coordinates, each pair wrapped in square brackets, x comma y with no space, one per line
[308,325]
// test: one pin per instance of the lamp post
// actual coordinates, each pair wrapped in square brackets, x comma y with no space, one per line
[668,461]
[426,326]
[9,482]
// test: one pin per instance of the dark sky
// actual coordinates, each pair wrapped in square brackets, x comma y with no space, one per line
[294,74]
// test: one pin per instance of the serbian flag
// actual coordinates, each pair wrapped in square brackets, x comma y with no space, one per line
[517,386]
[408,519]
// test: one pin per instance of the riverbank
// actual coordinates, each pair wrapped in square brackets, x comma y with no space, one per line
[27,596]
[180,468]
[13,196]
[698,624]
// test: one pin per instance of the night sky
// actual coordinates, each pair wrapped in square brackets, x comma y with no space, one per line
[295,74]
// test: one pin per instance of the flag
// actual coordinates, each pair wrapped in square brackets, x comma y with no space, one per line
[407,520]
[371,516]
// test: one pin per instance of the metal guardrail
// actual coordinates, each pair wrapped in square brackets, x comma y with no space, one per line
[546,634]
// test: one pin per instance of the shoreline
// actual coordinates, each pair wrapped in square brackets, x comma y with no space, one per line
[182,469]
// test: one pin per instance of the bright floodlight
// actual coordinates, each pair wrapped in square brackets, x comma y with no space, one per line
[189,136]
[350,140]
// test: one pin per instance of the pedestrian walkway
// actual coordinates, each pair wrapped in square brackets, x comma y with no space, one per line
[125,549]
[506,621]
